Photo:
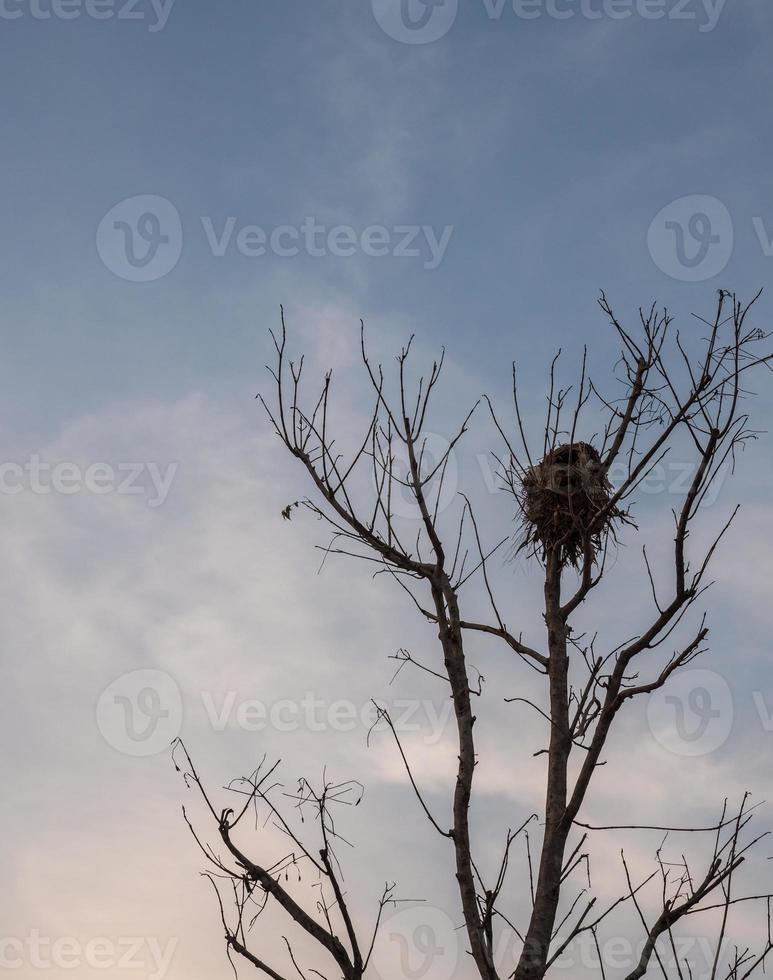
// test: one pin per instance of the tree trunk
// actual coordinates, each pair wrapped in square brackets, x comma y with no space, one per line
[533,960]
[450,634]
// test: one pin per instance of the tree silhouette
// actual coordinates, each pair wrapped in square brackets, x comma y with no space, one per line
[573,486]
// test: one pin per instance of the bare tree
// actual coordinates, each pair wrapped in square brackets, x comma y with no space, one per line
[574,488]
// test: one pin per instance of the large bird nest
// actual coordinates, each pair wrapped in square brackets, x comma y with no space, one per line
[564,503]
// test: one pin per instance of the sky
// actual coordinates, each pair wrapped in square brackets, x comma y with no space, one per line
[472,173]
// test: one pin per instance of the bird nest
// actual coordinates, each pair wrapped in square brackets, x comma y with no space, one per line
[564,502]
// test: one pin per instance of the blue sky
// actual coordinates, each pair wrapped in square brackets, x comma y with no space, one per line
[548,145]
[546,159]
